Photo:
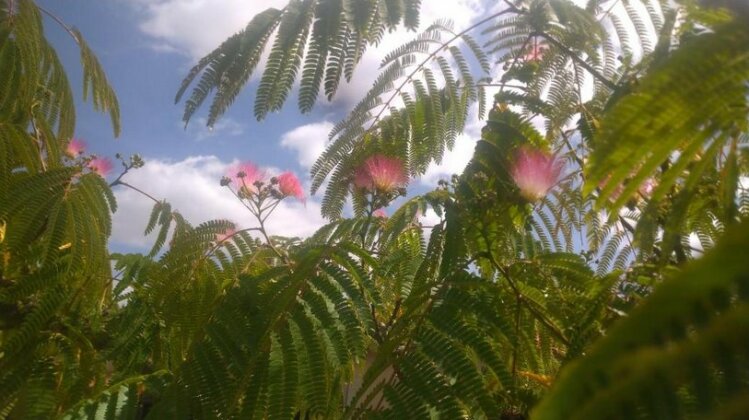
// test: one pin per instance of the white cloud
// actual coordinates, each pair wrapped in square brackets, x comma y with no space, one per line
[192,187]
[460,12]
[225,127]
[308,141]
[430,218]
[196,27]
[454,161]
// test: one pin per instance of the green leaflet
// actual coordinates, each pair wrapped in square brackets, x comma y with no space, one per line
[689,335]
[340,32]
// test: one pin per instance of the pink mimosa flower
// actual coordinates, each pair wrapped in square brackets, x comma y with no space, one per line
[244,175]
[228,233]
[75,147]
[290,186]
[381,173]
[647,187]
[645,190]
[616,192]
[380,213]
[535,172]
[536,52]
[101,166]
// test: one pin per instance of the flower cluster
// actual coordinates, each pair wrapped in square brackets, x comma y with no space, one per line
[75,147]
[289,186]
[381,173]
[536,52]
[379,180]
[644,191]
[535,172]
[648,186]
[249,182]
[226,235]
[245,177]
[101,166]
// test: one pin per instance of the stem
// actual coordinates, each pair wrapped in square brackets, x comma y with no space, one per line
[59,21]
[377,333]
[370,212]
[270,209]
[396,308]
[117,181]
[572,150]
[512,7]
[421,65]
[267,239]
[256,209]
[515,345]
[507,85]
[538,315]
[629,228]
[515,62]
[608,11]
[251,210]
[218,244]
[125,184]
[37,138]
[608,83]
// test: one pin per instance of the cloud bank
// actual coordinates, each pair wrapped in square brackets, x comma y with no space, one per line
[192,187]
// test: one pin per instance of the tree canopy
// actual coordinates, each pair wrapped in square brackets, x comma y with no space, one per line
[589,262]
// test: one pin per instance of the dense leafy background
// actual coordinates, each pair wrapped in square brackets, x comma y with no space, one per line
[584,304]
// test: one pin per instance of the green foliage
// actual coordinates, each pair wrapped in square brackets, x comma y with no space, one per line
[582,304]
[431,119]
[696,107]
[95,83]
[325,39]
[55,219]
[682,353]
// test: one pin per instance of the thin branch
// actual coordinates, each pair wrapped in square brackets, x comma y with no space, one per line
[629,228]
[512,7]
[393,314]
[270,243]
[515,345]
[125,184]
[520,87]
[59,21]
[128,167]
[584,64]
[396,92]
[603,16]
[567,143]
[538,315]
[515,62]
[37,137]
[377,332]
[219,243]
[11,6]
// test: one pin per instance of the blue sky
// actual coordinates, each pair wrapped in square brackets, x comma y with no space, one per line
[146,48]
